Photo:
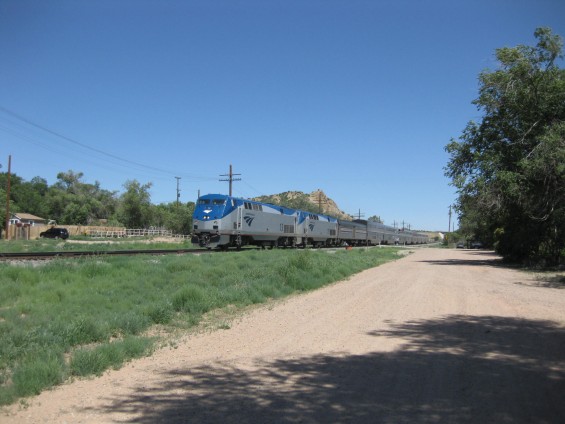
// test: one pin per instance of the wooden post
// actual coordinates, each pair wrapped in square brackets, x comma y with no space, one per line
[8,198]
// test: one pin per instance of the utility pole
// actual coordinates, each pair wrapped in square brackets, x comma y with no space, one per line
[8,198]
[362,215]
[366,228]
[178,191]
[358,214]
[449,225]
[230,178]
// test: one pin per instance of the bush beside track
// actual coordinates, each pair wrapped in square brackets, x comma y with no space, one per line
[79,317]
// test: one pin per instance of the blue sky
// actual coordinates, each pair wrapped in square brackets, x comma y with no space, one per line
[357,98]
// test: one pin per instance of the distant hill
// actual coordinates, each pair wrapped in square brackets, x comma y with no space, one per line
[317,202]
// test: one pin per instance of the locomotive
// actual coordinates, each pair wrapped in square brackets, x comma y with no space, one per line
[221,221]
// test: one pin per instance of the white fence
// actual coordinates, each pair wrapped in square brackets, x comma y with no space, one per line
[144,232]
[141,232]
[106,233]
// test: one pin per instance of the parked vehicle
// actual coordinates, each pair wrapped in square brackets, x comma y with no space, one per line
[55,233]
[476,245]
[460,245]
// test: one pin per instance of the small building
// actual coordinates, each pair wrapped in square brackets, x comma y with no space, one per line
[26,219]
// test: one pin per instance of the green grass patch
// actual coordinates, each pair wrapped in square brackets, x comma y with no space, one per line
[52,245]
[78,317]
[96,360]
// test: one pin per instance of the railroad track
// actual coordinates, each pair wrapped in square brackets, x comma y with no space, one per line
[77,254]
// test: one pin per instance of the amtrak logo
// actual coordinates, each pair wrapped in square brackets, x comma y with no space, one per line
[249,219]
[311,226]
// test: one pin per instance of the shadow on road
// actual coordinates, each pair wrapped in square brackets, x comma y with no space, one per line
[457,369]
[475,258]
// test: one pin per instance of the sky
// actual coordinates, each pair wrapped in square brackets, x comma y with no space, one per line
[357,98]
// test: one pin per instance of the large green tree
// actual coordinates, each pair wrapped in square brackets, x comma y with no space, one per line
[174,217]
[135,209]
[509,169]
[72,201]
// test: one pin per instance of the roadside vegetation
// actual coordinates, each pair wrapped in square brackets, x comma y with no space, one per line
[72,201]
[98,245]
[67,318]
[509,168]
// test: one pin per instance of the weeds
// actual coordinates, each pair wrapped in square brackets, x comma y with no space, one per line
[89,361]
[51,245]
[80,317]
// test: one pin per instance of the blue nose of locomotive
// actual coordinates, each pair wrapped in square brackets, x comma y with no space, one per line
[209,211]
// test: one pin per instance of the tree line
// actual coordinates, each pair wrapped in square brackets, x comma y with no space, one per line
[509,168]
[71,201]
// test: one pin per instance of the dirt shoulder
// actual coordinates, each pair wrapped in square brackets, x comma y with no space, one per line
[438,336]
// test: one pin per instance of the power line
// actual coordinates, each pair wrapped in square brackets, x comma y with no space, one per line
[75,155]
[78,143]
[85,146]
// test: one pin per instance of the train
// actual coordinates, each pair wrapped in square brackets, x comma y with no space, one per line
[221,221]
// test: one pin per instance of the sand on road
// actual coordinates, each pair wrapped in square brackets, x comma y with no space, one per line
[438,336]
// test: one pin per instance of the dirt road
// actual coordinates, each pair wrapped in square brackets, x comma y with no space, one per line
[441,336]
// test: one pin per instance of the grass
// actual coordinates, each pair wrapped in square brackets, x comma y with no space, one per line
[65,317]
[52,245]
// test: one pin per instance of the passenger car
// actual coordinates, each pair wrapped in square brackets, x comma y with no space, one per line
[55,233]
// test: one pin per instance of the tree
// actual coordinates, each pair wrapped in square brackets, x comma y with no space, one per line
[175,217]
[376,218]
[71,201]
[135,209]
[509,169]
[25,196]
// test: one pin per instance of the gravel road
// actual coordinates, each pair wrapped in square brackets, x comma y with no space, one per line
[440,336]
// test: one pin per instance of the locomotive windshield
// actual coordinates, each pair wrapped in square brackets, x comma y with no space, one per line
[218,202]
